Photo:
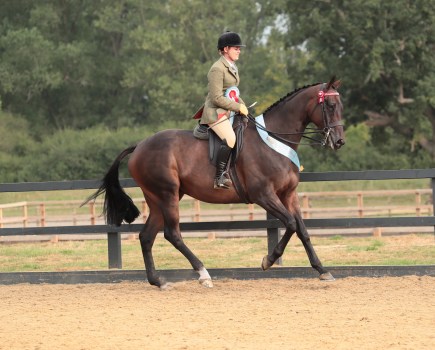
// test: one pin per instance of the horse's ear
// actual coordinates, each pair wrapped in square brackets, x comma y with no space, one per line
[336,84]
[331,83]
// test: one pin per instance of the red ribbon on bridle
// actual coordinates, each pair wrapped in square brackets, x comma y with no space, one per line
[322,94]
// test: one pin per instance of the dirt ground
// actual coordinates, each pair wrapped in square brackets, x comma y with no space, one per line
[350,313]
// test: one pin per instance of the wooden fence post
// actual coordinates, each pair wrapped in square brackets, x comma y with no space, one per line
[92,211]
[417,203]
[377,232]
[114,250]
[25,218]
[196,210]
[251,211]
[360,205]
[42,213]
[231,211]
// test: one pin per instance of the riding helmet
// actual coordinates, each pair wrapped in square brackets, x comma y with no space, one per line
[229,39]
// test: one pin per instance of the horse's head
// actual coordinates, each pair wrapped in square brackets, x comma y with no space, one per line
[326,113]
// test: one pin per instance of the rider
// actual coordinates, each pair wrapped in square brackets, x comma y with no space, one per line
[217,108]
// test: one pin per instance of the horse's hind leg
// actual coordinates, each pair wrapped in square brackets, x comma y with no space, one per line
[173,235]
[312,256]
[147,237]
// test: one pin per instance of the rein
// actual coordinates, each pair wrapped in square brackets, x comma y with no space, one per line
[325,131]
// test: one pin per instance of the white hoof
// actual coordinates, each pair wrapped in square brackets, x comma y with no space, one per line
[204,278]
[206,283]
[326,277]
[166,286]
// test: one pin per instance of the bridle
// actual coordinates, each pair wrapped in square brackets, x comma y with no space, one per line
[321,95]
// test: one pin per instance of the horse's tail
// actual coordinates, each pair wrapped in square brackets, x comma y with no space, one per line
[118,206]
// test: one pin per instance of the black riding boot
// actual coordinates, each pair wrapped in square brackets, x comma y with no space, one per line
[222,179]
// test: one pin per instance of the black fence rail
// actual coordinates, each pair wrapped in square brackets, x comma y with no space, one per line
[271,224]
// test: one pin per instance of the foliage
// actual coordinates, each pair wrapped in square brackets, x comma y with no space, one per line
[71,68]
[384,52]
[71,154]
[358,153]
[118,63]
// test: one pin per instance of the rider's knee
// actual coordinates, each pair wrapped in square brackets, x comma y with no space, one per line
[224,130]
[231,140]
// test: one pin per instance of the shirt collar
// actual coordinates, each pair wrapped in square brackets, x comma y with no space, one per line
[232,65]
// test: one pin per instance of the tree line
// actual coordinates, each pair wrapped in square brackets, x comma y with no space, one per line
[80,80]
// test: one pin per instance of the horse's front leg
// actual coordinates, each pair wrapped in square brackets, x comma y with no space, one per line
[275,207]
[293,223]
[278,251]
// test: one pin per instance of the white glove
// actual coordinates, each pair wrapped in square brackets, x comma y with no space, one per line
[243,109]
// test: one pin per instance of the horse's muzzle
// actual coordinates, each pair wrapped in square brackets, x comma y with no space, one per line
[339,143]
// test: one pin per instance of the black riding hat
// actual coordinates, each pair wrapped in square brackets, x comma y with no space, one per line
[229,39]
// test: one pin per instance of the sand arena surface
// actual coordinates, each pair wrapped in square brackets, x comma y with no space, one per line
[350,313]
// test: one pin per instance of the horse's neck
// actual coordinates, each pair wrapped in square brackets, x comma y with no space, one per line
[289,118]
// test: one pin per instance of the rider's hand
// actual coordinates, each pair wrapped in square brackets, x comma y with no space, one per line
[243,109]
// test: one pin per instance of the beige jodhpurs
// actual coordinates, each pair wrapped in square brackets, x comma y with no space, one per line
[224,130]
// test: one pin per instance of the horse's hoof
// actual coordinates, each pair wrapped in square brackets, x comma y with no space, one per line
[326,277]
[166,286]
[265,265]
[206,283]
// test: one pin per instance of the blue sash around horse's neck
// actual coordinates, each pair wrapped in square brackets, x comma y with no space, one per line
[276,145]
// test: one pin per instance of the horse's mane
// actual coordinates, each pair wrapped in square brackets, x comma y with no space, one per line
[282,99]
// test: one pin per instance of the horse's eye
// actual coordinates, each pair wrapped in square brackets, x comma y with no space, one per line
[331,106]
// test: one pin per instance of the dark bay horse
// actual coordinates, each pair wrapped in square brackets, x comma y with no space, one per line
[173,163]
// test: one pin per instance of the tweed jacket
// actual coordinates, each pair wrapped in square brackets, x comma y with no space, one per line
[220,77]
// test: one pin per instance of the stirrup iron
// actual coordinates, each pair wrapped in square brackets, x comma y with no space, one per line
[223,181]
